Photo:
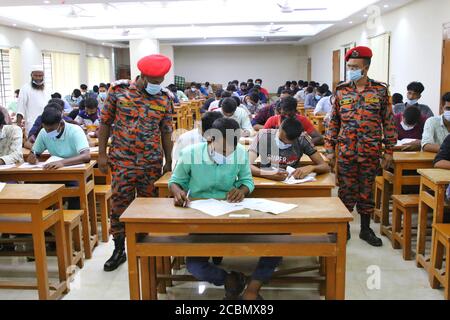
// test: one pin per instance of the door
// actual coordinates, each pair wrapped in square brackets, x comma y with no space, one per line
[336,68]
[445,74]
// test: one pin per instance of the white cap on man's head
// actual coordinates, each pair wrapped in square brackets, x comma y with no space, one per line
[37,67]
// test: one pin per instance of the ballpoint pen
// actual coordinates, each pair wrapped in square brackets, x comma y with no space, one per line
[187,198]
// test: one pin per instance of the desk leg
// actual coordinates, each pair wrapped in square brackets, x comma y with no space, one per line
[60,250]
[341,243]
[86,224]
[168,269]
[40,255]
[330,293]
[387,193]
[145,277]
[93,216]
[160,270]
[153,280]
[421,230]
[438,217]
[133,272]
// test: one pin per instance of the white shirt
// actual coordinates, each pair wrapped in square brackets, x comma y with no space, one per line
[241,116]
[214,105]
[300,95]
[11,144]
[434,131]
[186,139]
[31,104]
[323,106]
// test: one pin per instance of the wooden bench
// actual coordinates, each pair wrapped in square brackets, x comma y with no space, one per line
[441,248]
[74,242]
[103,195]
[378,194]
[404,206]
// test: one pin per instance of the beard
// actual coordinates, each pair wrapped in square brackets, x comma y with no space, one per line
[37,87]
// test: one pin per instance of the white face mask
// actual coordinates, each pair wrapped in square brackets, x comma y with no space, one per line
[219,158]
[411,102]
[406,127]
[447,115]
[280,144]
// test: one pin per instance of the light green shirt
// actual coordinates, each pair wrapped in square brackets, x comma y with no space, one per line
[72,142]
[434,131]
[196,171]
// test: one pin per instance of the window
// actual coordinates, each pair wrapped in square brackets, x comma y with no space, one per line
[98,70]
[6,92]
[62,71]
[379,68]
[47,63]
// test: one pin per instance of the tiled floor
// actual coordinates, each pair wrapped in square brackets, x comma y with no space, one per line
[399,279]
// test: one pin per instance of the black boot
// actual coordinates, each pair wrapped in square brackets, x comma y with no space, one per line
[119,256]
[367,233]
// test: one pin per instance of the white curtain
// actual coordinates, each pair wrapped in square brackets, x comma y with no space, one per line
[379,68]
[16,70]
[98,70]
[65,72]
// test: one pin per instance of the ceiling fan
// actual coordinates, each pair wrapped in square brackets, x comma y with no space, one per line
[76,14]
[127,33]
[286,8]
[272,30]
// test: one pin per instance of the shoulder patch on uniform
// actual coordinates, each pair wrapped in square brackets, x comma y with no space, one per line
[383,84]
[343,85]
[372,100]
[346,101]
[158,108]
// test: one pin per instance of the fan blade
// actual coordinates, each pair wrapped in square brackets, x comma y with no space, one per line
[277,29]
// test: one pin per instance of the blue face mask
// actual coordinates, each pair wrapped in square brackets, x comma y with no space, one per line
[153,89]
[102,95]
[318,97]
[53,134]
[354,75]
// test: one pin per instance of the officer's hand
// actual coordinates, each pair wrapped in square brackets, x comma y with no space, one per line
[103,164]
[388,161]
[332,160]
[167,167]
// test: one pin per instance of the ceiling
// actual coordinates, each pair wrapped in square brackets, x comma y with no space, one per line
[190,22]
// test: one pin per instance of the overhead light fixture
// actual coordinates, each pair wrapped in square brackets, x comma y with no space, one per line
[46,1]
[365,15]
[350,22]
[14,24]
[386,6]
[39,29]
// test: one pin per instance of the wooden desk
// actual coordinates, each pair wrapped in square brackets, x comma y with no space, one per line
[265,188]
[22,209]
[433,183]
[85,191]
[308,218]
[318,123]
[395,181]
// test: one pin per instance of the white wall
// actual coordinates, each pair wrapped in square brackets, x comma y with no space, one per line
[274,64]
[32,44]
[141,48]
[416,47]
[167,50]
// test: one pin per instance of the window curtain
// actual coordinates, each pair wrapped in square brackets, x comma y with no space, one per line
[15,64]
[98,70]
[379,68]
[65,72]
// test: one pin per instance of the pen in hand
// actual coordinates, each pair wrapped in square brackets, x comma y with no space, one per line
[187,198]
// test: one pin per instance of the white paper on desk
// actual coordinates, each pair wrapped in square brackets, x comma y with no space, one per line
[7,166]
[404,141]
[268,206]
[93,149]
[291,180]
[2,185]
[53,159]
[215,207]
[81,165]
[27,165]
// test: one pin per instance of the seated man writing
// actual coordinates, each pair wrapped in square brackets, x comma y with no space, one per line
[219,169]
[410,126]
[10,143]
[437,128]
[61,139]
[284,147]
[230,109]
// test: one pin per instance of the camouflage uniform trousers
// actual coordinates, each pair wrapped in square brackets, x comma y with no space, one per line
[356,180]
[126,184]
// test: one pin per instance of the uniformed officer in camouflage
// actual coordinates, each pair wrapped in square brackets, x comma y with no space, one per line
[361,121]
[140,117]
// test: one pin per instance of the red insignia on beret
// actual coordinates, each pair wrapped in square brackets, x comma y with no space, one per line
[155,65]
[358,53]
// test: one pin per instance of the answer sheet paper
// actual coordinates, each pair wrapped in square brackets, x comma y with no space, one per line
[7,166]
[2,185]
[291,180]
[217,208]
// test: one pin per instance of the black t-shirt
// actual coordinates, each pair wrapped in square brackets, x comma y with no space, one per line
[444,152]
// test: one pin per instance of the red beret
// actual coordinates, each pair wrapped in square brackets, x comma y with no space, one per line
[154,65]
[358,53]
